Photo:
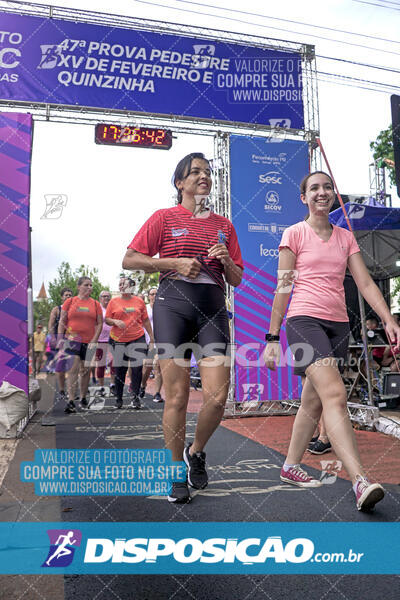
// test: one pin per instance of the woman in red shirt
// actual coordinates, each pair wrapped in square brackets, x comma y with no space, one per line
[128,316]
[198,251]
[81,322]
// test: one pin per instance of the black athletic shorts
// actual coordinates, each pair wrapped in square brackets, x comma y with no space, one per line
[128,354]
[311,339]
[74,348]
[190,317]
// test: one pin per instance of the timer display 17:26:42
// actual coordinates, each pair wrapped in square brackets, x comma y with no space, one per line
[139,137]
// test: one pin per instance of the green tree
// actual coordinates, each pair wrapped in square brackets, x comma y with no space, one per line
[149,280]
[68,278]
[382,148]
[41,312]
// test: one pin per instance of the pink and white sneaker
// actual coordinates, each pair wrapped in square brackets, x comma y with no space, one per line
[367,493]
[297,476]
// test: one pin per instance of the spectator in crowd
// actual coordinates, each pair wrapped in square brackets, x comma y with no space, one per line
[61,360]
[151,362]
[39,345]
[81,322]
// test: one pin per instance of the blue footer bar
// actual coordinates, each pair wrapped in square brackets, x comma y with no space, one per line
[199,548]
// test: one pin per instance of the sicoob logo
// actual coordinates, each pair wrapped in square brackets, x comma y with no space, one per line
[63,543]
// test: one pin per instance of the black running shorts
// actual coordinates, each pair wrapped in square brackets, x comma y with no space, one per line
[190,317]
[311,339]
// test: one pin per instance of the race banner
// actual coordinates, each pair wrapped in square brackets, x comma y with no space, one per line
[15,160]
[265,177]
[78,64]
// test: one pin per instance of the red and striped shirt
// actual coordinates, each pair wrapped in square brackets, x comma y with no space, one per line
[175,233]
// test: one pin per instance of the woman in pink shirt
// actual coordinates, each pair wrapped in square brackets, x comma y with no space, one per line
[314,255]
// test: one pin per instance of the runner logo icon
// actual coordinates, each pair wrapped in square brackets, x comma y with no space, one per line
[50,56]
[284,123]
[202,55]
[63,543]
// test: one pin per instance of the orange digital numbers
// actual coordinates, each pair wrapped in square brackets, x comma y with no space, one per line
[139,137]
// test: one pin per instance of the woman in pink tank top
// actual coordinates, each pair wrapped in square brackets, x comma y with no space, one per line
[313,257]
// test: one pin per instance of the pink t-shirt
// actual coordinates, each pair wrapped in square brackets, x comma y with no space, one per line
[321,266]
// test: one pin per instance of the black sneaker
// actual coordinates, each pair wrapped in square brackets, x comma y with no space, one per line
[61,395]
[70,408]
[157,398]
[142,392]
[136,403]
[312,441]
[179,493]
[319,447]
[118,403]
[84,403]
[196,464]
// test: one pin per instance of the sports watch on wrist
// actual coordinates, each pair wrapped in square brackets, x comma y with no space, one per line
[271,338]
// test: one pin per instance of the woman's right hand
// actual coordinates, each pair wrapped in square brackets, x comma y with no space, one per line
[271,355]
[120,324]
[188,267]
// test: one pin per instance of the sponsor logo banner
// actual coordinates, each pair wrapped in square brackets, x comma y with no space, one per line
[80,64]
[199,548]
[265,178]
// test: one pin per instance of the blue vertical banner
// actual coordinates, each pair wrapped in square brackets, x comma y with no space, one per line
[265,200]
[15,162]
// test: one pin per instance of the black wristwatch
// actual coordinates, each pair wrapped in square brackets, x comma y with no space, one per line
[271,338]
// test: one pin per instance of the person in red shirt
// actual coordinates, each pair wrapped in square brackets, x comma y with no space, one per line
[198,250]
[81,321]
[128,317]
[317,255]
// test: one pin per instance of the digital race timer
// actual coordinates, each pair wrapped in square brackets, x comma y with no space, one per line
[141,137]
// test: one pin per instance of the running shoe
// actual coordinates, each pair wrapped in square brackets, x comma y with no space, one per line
[196,465]
[313,440]
[136,402]
[179,493]
[142,392]
[297,476]
[118,403]
[84,403]
[112,389]
[319,447]
[367,493]
[70,408]
[157,398]
[61,395]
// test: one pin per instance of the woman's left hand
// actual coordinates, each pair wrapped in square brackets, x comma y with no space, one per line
[219,251]
[393,333]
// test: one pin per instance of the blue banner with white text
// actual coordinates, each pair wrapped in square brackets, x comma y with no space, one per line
[73,63]
[199,548]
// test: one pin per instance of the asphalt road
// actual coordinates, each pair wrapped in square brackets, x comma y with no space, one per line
[244,486]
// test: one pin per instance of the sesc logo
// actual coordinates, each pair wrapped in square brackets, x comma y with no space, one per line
[271,177]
